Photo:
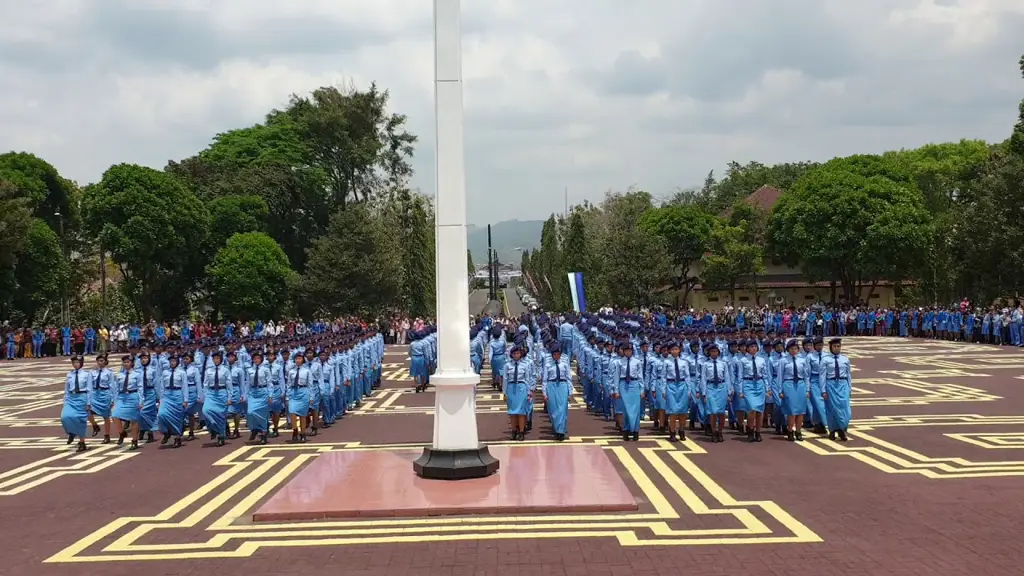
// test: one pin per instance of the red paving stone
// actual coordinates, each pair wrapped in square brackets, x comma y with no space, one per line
[868,521]
[536,479]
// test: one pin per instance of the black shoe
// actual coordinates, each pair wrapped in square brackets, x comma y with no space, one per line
[263,438]
[191,436]
[106,439]
[95,430]
[842,436]
[81,447]
[751,436]
[758,436]
[165,439]
[134,445]
[636,436]
[220,441]
[120,438]
[672,437]
[625,436]
[252,435]
[177,442]
[832,435]
[71,438]
[789,435]
[274,433]
[682,435]
[799,436]
[149,437]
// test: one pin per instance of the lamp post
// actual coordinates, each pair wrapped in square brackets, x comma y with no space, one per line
[64,318]
[456,452]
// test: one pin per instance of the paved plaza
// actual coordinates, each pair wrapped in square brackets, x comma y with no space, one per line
[931,482]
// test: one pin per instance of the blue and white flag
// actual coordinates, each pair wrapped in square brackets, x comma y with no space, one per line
[579,301]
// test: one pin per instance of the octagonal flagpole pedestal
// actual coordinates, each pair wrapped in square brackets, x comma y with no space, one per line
[456,452]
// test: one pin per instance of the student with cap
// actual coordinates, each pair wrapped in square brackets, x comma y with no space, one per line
[259,391]
[418,361]
[836,373]
[217,397]
[237,405]
[628,391]
[300,398]
[678,393]
[815,404]
[193,381]
[174,402]
[557,387]
[656,392]
[77,396]
[278,392]
[496,349]
[715,384]
[517,391]
[101,384]
[149,383]
[128,405]
[795,380]
[754,387]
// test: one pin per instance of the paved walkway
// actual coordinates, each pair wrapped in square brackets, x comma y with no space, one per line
[930,483]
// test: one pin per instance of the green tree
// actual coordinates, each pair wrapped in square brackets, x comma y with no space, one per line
[686,231]
[356,267]
[272,161]
[471,268]
[250,276]
[155,230]
[41,272]
[635,262]
[361,148]
[854,220]
[230,215]
[741,180]
[47,192]
[733,262]
[1017,138]
[15,211]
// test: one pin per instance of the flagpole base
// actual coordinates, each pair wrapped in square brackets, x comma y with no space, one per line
[462,464]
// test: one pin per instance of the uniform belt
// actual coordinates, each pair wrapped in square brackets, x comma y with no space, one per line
[260,386]
[716,382]
[174,388]
[79,391]
[751,379]
[218,387]
[103,387]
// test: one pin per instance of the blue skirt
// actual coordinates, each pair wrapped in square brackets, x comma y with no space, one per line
[102,403]
[171,417]
[298,401]
[127,407]
[258,410]
[754,394]
[74,414]
[418,367]
[517,399]
[149,411]
[236,406]
[660,400]
[632,407]
[558,405]
[677,398]
[795,400]
[215,410]
[497,367]
[837,406]
[717,399]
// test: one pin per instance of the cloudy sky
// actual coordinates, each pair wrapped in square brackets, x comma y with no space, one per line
[589,94]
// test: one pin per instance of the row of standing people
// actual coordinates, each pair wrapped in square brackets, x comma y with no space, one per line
[311,382]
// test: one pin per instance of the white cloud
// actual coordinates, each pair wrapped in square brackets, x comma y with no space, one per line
[589,94]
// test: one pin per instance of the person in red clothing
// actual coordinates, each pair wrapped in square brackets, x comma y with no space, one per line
[78,340]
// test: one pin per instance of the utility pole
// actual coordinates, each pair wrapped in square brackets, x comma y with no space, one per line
[103,285]
[566,203]
[491,294]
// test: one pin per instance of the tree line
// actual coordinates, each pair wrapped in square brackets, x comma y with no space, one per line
[306,213]
[939,222]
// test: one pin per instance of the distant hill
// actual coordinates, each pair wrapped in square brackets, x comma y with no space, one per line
[505,237]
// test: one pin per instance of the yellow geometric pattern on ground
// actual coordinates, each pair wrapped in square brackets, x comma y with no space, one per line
[894,459]
[992,440]
[928,393]
[65,463]
[972,362]
[222,507]
[389,401]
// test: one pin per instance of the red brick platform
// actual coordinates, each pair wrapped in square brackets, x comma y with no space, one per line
[380,483]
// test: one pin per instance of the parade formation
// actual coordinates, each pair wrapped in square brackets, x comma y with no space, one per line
[177,389]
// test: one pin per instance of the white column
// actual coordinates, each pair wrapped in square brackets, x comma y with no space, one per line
[455,383]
